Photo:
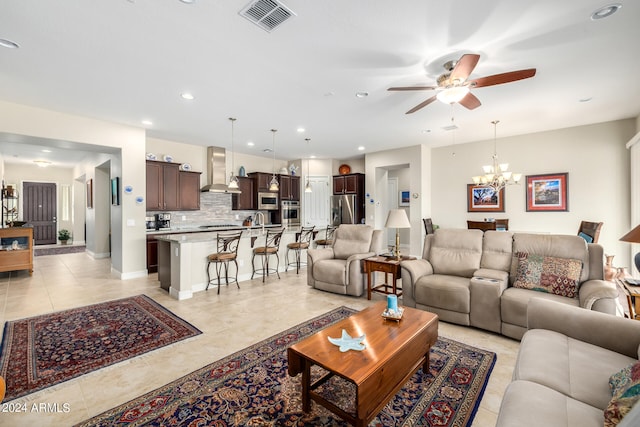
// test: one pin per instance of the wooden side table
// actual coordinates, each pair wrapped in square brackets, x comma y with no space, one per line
[386,265]
[633,298]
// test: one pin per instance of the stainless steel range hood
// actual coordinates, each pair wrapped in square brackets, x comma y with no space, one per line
[217,171]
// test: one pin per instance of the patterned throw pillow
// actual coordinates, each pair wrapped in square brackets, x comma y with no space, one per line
[553,275]
[625,386]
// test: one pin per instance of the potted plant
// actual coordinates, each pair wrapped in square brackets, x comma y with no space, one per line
[64,236]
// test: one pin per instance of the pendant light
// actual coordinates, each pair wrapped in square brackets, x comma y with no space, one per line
[273,185]
[233,179]
[307,188]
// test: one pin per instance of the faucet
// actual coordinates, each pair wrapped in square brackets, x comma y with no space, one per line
[259,213]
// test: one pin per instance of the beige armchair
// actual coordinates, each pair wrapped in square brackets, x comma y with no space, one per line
[338,269]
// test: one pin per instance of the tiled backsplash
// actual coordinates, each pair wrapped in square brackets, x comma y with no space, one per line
[215,208]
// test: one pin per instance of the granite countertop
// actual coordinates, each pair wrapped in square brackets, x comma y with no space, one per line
[208,229]
[206,235]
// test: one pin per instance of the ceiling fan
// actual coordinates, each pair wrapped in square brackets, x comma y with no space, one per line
[453,85]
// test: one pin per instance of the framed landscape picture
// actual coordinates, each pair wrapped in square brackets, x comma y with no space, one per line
[404,199]
[481,198]
[547,193]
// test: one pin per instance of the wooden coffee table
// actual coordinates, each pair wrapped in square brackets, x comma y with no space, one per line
[395,351]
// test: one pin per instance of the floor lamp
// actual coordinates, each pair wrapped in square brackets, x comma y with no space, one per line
[397,219]
[633,237]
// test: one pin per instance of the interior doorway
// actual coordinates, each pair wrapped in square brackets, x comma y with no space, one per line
[39,210]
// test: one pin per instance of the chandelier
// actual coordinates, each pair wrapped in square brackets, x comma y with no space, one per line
[497,175]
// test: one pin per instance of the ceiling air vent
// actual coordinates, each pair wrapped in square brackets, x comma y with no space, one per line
[267,14]
[450,127]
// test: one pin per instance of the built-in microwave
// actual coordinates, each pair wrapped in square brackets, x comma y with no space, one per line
[268,201]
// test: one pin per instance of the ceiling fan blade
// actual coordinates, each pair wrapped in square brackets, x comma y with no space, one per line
[422,104]
[412,88]
[470,101]
[498,79]
[464,67]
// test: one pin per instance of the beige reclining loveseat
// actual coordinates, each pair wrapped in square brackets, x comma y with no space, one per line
[467,277]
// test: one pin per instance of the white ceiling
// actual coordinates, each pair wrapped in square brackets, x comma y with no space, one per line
[129,60]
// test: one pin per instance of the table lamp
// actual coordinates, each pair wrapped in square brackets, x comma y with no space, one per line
[397,219]
[633,237]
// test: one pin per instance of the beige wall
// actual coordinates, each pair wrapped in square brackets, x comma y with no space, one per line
[594,156]
[127,220]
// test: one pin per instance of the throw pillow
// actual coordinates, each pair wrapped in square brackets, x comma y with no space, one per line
[559,276]
[586,237]
[625,386]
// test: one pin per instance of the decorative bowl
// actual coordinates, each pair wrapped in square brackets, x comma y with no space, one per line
[344,169]
[185,167]
[151,156]
[168,158]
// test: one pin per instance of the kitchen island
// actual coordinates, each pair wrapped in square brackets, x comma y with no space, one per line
[182,258]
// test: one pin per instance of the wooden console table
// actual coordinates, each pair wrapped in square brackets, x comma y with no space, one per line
[633,298]
[16,249]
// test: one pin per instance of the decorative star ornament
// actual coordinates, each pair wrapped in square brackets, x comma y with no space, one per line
[347,342]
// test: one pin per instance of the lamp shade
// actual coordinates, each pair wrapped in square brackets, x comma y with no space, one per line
[633,236]
[397,218]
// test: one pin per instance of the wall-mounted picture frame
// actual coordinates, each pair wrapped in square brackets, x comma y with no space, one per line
[481,198]
[90,193]
[115,191]
[548,192]
[404,198]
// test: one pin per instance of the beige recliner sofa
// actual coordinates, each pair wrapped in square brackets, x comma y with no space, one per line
[338,269]
[565,360]
[466,277]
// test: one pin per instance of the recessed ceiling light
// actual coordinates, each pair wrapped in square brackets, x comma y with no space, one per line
[147,122]
[300,129]
[187,96]
[605,11]
[42,163]
[361,148]
[312,156]
[188,1]
[585,99]
[9,44]
[425,131]
[250,144]
[362,94]
[46,151]
[267,150]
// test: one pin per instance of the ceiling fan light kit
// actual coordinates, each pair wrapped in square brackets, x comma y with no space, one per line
[453,86]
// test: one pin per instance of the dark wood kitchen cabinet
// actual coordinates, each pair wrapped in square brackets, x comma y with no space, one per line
[261,180]
[289,187]
[162,186]
[189,191]
[152,254]
[248,198]
[352,183]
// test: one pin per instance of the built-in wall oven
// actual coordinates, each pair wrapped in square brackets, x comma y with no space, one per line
[290,213]
[268,201]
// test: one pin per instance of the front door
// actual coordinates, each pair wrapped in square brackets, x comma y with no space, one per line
[40,211]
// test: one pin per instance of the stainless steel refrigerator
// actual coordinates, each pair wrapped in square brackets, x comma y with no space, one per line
[344,209]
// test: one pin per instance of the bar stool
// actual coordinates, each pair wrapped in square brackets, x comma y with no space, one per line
[227,251]
[328,237]
[302,243]
[271,247]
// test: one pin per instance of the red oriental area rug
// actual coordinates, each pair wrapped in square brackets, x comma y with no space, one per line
[41,351]
[252,388]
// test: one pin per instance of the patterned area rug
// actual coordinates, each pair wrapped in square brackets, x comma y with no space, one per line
[69,249]
[252,388]
[41,351]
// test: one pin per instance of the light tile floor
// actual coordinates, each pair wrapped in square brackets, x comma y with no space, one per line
[230,321]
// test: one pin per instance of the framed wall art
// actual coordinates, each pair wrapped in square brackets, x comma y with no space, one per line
[404,199]
[548,192]
[481,198]
[90,193]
